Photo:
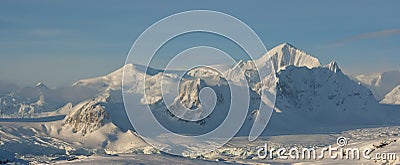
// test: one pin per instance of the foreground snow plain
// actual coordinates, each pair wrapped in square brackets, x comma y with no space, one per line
[39,143]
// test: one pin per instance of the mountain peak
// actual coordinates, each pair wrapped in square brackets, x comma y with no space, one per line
[41,85]
[286,54]
[333,66]
[286,45]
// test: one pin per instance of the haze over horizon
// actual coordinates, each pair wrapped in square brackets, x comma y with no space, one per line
[59,42]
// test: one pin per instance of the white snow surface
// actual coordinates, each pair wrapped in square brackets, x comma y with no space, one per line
[393,97]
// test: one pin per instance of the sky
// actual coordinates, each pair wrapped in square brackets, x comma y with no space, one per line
[60,42]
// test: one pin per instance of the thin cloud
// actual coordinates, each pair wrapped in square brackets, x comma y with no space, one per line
[378,34]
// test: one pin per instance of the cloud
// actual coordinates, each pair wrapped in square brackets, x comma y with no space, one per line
[46,32]
[370,35]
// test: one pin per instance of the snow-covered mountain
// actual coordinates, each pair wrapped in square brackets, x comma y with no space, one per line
[113,81]
[393,97]
[41,86]
[323,88]
[28,101]
[323,97]
[380,83]
[86,117]
[307,93]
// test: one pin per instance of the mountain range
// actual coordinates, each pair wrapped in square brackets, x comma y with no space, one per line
[307,93]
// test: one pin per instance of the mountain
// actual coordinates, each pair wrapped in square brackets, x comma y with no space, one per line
[380,83]
[31,101]
[393,97]
[41,86]
[113,81]
[14,104]
[100,124]
[323,97]
[86,117]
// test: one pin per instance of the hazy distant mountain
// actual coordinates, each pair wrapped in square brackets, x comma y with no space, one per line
[28,101]
[380,83]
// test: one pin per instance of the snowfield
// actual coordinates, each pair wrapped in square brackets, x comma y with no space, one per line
[38,143]
[315,104]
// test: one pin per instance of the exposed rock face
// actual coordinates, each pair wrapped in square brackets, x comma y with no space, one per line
[189,93]
[87,117]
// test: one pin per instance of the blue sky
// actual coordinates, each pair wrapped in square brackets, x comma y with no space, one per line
[59,42]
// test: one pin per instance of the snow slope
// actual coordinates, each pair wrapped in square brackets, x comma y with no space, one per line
[393,97]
